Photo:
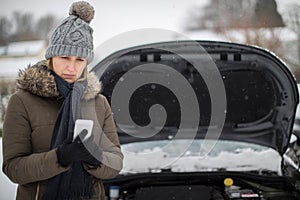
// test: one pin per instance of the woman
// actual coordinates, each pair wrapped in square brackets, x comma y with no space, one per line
[39,151]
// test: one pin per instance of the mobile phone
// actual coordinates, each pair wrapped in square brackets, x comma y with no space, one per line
[81,124]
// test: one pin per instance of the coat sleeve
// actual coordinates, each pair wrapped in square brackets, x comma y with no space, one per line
[112,158]
[20,164]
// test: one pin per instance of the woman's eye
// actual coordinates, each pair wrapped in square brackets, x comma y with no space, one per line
[80,59]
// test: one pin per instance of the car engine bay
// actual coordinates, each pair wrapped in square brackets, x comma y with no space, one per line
[204,186]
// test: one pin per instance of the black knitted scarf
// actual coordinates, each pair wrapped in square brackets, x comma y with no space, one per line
[76,182]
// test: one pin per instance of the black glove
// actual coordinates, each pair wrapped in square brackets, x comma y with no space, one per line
[94,152]
[77,151]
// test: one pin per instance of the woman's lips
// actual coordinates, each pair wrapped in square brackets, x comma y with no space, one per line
[69,76]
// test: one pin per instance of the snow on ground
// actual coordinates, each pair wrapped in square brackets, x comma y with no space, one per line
[8,189]
[9,67]
[18,55]
[23,48]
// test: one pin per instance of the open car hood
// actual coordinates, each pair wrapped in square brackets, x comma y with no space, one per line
[260,93]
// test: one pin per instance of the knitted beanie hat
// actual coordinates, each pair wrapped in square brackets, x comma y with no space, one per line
[73,37]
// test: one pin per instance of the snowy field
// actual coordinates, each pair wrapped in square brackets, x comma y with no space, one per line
[7,189]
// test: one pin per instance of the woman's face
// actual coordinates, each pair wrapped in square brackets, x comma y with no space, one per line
[69,68]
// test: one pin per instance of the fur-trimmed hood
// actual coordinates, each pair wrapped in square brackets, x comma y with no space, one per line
[37,80]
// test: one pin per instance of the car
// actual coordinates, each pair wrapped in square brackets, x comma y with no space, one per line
[202,120]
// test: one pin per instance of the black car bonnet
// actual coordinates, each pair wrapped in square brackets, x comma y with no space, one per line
[251,90]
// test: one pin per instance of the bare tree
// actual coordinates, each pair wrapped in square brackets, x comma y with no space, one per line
[291,16]
[244,21]
[220,14]
[44,26]
[267,38]
[293,22]
[236,14]
[5,30]
[24,27]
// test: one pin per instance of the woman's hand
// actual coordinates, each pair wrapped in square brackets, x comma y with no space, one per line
[86,151]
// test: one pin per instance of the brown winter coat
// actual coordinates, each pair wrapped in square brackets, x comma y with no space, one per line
[27,133]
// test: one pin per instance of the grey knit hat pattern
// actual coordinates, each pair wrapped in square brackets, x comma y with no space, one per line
[74,36]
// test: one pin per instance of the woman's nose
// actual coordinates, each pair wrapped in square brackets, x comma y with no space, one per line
[71,66]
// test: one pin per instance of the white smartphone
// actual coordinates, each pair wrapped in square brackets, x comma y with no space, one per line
[81,124]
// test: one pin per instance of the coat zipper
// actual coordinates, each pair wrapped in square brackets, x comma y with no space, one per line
[37,191]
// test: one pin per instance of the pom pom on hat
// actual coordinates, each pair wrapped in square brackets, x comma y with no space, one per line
[73,37]
[83,10]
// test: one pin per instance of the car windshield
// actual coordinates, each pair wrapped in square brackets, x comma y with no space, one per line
[188,156]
